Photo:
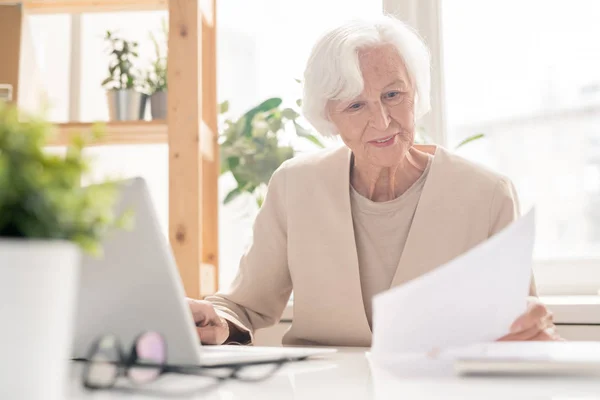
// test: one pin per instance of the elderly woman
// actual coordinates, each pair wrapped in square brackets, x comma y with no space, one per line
[339,226]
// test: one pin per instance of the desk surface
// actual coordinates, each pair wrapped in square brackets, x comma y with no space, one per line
[351,374]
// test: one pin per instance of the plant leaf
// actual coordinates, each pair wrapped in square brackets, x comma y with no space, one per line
[289,113]
[267,105]
[470,139]
[305,133]
[224,107]
[107,80]
[232,195]
[275,124]
[233,162]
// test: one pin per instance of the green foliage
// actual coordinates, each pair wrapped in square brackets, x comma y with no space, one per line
[41,196]
[421,137]
[470,139]
[123,55]
[155,79]
[250,146]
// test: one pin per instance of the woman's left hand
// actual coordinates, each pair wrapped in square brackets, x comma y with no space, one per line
[536,324]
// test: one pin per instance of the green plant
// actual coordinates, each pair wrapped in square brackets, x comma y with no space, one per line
[250,145]
[123,55]
[422,138]
[470,139]
[41,196]
[155,79]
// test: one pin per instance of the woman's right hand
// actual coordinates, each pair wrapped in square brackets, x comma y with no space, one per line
[211,328]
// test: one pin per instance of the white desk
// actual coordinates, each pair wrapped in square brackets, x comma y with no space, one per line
[350,375]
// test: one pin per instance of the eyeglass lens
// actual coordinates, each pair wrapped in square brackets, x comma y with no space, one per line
[103,368]
[150,348]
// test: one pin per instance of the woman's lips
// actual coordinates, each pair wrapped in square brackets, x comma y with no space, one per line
[384,142]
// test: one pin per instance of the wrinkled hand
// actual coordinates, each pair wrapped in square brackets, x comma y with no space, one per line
[211,328]
[535,324]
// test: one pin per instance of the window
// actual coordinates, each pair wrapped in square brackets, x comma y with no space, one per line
[133,26]
[50,38]
[262,47]
[527,75]
[46,53]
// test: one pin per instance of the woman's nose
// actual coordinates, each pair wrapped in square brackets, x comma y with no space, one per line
[380,117]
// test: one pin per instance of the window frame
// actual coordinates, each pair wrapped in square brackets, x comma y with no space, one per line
[575,276]
[552,278]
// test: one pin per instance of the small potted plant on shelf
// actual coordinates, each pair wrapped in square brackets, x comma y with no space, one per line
[47,219]
[125,101]
[156,77]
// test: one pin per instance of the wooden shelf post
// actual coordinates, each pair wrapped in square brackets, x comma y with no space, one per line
[209,277]
[11,21]
[184,124]
[190,129]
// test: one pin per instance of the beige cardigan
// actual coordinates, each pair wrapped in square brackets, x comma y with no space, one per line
[304,239]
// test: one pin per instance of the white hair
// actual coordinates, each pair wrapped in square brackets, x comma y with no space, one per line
[333,71]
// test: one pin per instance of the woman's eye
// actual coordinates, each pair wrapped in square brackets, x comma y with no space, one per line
[355,106]
[392,95]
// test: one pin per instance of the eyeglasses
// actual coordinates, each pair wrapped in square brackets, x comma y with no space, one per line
[106,361]
[146,361]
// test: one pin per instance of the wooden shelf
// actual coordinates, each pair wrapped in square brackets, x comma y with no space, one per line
[129,132]
[85,6]
[190,133]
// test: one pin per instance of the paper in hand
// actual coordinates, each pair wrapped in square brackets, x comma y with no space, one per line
[472,299]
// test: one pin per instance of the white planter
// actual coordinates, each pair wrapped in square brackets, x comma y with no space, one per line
[38,288]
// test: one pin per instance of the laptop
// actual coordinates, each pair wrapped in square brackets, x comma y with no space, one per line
[135,287]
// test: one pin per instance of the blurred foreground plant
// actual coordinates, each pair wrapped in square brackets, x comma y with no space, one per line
[41,196]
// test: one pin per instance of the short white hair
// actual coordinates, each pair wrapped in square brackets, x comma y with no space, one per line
[333,70]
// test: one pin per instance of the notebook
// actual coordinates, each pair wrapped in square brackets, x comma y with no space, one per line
[529,358]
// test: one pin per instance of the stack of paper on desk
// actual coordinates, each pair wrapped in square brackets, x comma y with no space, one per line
[472,299]
[528,358]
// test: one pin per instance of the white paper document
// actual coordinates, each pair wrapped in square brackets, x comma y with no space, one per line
[472,299]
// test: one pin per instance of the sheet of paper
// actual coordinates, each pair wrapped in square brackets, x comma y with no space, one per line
[472,299]
[560,352]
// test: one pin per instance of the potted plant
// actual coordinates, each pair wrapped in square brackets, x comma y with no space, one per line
[156,77]
[125,101]
[251,148]
[46,220]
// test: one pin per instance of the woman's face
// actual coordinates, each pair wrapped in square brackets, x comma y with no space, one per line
[378,126]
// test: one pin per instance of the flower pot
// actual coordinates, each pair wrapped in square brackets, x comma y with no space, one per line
[126,105]
[158,105]
[38,288]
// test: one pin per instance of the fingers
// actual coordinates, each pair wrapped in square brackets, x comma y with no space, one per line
[548,334]
[203,312]
[535,312]
[539,326]
[213,333]
[527,334]
[532,324]
[208,334]
[543,330]
[211,328]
